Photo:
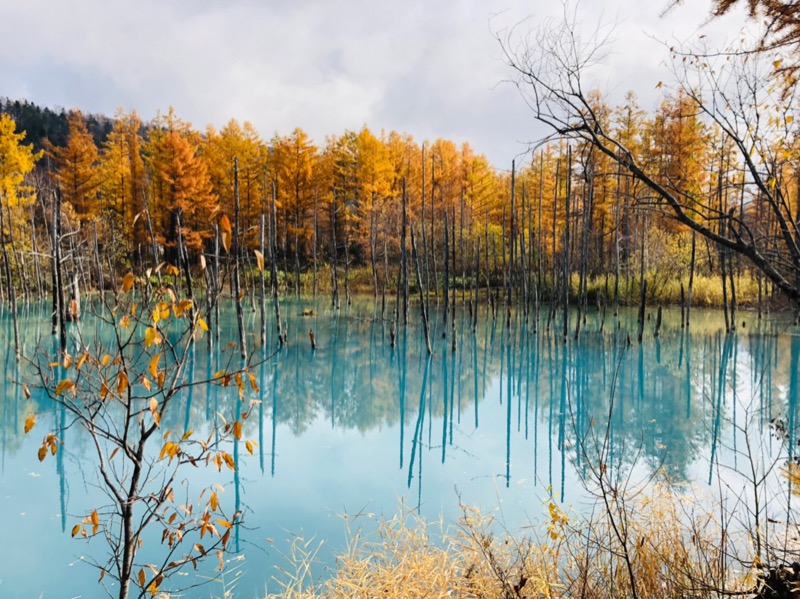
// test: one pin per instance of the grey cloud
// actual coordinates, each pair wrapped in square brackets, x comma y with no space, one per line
[431,69]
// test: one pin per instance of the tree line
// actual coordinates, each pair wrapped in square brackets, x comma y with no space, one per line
[566,223]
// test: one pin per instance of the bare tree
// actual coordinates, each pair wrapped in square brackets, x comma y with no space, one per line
[731,91]
[119,391]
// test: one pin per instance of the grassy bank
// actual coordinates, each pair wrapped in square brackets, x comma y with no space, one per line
[658,544]
[662,290]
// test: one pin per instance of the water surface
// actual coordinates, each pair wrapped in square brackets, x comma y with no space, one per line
[358,427]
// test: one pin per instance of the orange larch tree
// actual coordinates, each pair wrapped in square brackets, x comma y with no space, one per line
[76,173]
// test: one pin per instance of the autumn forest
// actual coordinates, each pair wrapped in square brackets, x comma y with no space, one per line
[341,215]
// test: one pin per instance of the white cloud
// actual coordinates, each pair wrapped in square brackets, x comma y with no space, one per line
[431,69]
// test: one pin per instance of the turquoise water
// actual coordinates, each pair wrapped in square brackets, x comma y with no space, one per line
[359,427]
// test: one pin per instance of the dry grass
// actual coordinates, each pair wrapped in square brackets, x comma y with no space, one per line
[670,553]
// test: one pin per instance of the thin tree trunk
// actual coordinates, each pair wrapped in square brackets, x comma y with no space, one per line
[273,251]
[54,260]
[262,277]
[36,265]
[404,254]
[236,262]
[446,286]
[425,239]
[314,243]
[642,302]
[565,297]
[423,307]
[12,296]
[99,265]
[334,251]
[691,279]
[184,259]
[296,253]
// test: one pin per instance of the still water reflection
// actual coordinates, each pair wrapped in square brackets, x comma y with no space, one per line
[358,426]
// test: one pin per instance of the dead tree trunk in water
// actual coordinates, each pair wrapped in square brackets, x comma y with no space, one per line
[216,282]
[642,302]
[314,244]
[12,295]
[404,254]
[425,240]
[273,251]
[98,265]
[334,251]
[691,279]
[262,277]
[55,207]
[433,231]
[423,307]
[183,256]
[446,277]
[237,262]
[565,297]
[35,248]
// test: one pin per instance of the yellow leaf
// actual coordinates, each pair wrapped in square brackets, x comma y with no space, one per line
[30,421]
[259,260]
[202,323]
[187,434]
[63,386]
[75,529]
[237,430]
[173,270]
[153,404]
[42,453]
[225,226]
[228,459]
[81,360]
[152,336]
[250,446]
[127,282]
[214,501]
[153,366]
[146,383]
[67,361]
[152,588]
[253,383]
[789,119]
[104,390]
[106,360]
[157,418]
[224,523]
[26,391]
[141,577]
[182,306]
[122,382]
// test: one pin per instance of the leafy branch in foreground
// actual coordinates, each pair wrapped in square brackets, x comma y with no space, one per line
[118,390]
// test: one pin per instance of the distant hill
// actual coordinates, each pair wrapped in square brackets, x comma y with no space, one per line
[40,123]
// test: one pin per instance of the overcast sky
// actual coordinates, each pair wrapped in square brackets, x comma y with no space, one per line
[430,68]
